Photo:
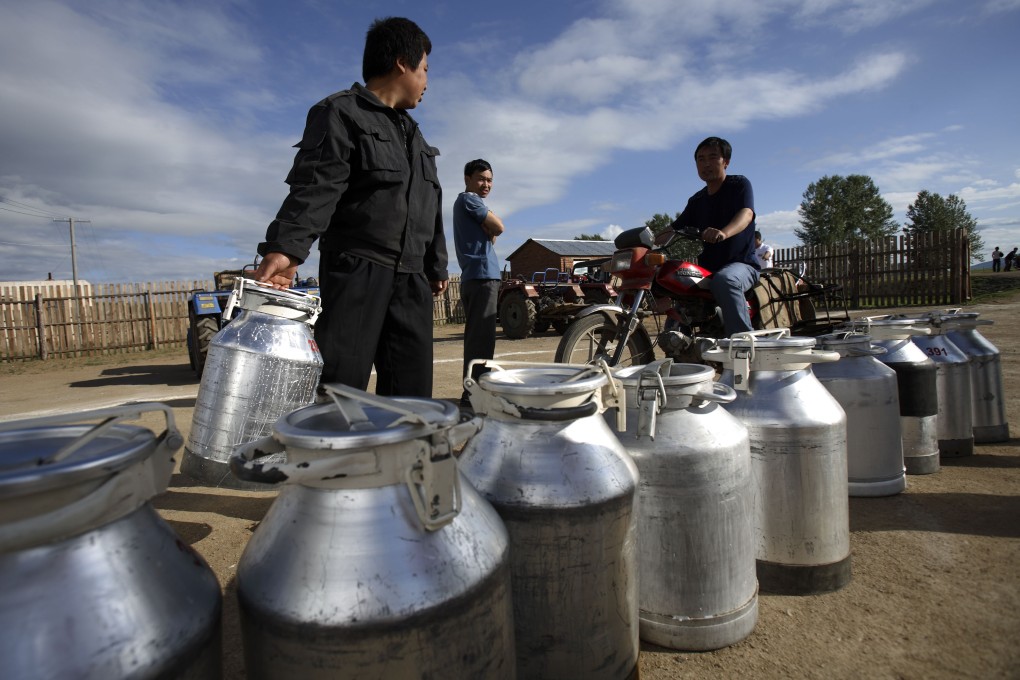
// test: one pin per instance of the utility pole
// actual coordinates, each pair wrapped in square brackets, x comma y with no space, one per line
[74,275]
[74,249]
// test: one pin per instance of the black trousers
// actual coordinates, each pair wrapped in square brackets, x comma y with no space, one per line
[372,314]
[479,297]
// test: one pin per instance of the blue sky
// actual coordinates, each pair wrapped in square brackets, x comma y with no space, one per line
[169,125]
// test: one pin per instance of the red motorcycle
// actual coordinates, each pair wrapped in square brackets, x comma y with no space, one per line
[667,303]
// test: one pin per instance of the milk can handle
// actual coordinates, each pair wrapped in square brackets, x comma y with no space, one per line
[170,440]
[816,356]
[873,351]
[584,410]
[245,466]
[720,393]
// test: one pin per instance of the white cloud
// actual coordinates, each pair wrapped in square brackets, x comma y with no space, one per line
[777,227]
[1007,197]
[611,232]
[851,16]
[148,118]
[1000,6]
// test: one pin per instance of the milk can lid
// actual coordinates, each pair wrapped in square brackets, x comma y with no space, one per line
[843,339]
[35,459]
[548,386]
[889,321]
[788,342]
[327,426]
[679,375]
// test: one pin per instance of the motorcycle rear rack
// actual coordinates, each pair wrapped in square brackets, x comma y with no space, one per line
[809,308]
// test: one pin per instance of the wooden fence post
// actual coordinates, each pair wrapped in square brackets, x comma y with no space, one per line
[40,326]
[152,318]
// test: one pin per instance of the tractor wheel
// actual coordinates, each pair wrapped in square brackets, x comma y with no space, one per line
[191,348]
[203,328]
[593,337]
[517,316]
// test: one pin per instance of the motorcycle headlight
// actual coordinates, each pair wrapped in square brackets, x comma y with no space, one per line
[621,261]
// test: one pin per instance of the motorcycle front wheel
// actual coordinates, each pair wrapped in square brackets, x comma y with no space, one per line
[595,336]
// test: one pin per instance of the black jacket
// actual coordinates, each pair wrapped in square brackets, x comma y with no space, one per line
[360,188]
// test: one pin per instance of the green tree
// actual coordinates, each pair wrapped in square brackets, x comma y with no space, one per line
[680,248]
[930,212]
[836,209]
[589,237]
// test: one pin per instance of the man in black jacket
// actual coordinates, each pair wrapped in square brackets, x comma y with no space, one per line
[364,183]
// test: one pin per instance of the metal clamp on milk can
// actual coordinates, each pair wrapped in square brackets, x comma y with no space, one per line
[567,491]
[86,562]
[261,365]
[989,412]
[798,459]
[915,386]
[866,389]
[697,583]
[375,560]
[952,382]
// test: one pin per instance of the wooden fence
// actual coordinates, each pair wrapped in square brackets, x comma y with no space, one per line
[932,269]
[52,321]
[898,271]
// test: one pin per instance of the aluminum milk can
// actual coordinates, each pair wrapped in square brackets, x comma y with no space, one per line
[866,389]
[989,412]
[952,383]
[376,560]
[566,489]
[697,584]
[916,387]
[95,584]
[798,459]
[260,366]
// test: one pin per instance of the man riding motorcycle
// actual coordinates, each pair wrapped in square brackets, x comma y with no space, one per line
[723,212]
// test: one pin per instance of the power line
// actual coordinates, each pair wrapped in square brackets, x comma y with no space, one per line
[45,217]
[32,245]
[48,213]
[91,232]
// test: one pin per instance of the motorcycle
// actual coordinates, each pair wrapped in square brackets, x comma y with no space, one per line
[672,297]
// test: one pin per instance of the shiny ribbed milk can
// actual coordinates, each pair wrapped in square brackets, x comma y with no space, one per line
[566,489]
[376,559]
[989,405]
[261,365]
[952,382]
[916,386]
[866,389]
[798,459]
[95,583]
[697,584]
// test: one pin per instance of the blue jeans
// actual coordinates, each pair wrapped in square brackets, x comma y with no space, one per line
[729,285]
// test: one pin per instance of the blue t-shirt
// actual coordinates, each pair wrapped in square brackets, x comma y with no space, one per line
[475,253]
[715,211]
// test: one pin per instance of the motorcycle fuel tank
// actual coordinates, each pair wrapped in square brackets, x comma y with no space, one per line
[682,278]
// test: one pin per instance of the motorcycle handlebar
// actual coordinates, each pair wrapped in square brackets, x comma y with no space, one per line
[663,239]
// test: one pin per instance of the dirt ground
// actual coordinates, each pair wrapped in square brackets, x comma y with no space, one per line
[936,570]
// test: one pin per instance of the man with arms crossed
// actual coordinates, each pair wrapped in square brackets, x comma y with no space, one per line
[364,183]
[475,229]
